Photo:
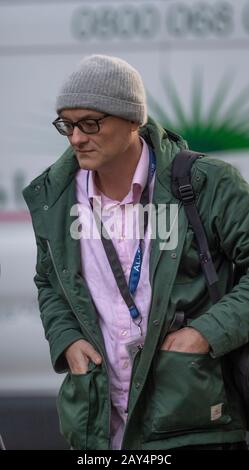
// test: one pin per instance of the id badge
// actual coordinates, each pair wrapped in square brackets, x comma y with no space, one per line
[134,346]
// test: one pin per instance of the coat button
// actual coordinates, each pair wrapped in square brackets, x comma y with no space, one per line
[45,208]
[37,187]
[156,322]
[173,255]
[137,384]
[64,271]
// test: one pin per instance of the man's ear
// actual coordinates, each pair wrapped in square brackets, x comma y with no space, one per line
[134,126]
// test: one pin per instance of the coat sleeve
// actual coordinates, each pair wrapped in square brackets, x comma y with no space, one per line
[226,324]
[60,325]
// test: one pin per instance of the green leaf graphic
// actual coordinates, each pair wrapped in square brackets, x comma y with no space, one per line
[224,126]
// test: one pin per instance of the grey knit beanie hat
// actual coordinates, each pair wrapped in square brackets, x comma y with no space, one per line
[107,84]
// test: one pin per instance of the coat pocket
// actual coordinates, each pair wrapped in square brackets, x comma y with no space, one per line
[187,393]
[73,404]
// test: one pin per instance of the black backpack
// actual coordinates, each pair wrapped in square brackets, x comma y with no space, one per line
[182,189]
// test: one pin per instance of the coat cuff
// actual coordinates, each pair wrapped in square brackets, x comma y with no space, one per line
[218,343]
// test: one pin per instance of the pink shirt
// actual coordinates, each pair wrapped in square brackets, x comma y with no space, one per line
[114,317]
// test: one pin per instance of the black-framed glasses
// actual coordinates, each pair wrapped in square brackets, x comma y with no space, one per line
[88,126]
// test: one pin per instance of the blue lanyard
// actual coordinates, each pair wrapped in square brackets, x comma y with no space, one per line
[137,263]
[128,291]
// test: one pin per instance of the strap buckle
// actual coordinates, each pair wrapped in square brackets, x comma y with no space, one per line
[186,193]
[205,257]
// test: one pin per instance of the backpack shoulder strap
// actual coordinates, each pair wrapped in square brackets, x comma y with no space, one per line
[181,174]
[182,189]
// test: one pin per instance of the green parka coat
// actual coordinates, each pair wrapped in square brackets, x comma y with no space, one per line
[176,399]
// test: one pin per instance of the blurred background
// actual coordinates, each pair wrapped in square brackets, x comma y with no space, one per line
[193,56]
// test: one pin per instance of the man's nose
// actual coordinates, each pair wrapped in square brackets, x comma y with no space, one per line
[78,137]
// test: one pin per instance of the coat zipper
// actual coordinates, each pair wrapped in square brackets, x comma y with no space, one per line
[129,392]
[86,329]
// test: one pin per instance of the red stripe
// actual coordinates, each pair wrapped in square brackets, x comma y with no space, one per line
[15,216]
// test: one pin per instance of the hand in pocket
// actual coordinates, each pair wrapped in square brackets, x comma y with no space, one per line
[78,355]
[186,340]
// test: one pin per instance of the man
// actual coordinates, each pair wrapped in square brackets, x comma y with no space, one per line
[133,383]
